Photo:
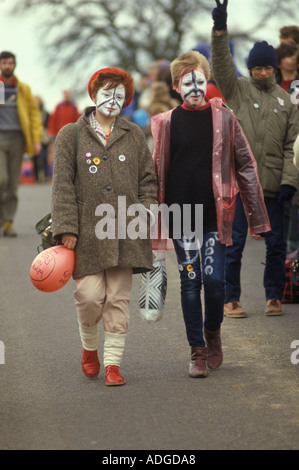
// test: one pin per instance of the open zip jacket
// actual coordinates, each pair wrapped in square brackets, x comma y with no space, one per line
[30,117]
[234,170]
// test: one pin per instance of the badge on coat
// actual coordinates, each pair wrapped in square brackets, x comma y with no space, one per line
[93,162]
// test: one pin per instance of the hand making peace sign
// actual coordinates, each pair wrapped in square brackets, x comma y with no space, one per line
[220,15]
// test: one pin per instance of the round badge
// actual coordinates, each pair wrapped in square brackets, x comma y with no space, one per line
[122,158]
[189,268]
[93,169]
[88,155]
[192,275]
[88,161]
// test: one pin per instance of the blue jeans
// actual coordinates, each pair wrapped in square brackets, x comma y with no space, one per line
[209,271]
[274,275]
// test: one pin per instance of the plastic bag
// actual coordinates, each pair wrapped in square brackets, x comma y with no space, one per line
[153,288]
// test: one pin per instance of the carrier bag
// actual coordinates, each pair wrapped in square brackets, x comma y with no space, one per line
[291,290]
[44,229]
[153,288]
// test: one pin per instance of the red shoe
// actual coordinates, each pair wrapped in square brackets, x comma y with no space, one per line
[113,376]
[90,363]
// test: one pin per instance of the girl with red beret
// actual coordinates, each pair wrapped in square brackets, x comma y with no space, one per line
[98,160]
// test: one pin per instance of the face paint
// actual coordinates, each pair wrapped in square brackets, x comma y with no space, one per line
[193,88]
[110,102]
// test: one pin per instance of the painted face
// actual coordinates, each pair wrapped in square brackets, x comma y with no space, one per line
[110,102]
[193,88]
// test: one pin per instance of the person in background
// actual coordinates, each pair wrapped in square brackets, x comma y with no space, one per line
[64,113]
[287,67]
[287,76]
[41,160]
[270,122]
[289,34]
[20,132]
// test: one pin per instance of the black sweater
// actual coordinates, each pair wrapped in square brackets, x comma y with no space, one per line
[190,174]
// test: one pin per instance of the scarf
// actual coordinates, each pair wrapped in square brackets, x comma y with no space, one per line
[12,81]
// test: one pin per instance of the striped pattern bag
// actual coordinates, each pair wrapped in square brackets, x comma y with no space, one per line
[291,290]
[153,289]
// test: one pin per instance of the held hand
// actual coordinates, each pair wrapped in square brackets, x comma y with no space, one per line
[69,241]
[219,15]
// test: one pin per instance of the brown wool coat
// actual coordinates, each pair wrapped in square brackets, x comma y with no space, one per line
[125,169]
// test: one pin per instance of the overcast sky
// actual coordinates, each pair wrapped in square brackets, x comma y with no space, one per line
[19,35]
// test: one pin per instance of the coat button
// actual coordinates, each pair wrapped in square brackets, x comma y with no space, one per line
[108,188]
[105,158]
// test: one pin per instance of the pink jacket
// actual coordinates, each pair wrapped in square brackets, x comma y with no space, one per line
[234,170]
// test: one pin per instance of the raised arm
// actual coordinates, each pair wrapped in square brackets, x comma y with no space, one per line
[223,68]
[220,17]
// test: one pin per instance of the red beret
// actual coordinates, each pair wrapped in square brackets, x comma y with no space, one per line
[128,82]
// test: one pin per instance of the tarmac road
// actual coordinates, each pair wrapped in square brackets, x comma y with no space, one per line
[251,402]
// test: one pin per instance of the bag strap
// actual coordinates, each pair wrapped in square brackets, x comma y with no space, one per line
[76,137]
[76,130]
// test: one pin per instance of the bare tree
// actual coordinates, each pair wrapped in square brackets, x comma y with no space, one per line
[131,33]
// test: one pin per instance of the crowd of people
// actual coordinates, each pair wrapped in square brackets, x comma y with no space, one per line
[196,131]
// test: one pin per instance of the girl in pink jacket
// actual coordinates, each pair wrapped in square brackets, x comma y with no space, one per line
[203,160]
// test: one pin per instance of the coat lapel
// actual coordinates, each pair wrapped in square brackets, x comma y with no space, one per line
[120,129]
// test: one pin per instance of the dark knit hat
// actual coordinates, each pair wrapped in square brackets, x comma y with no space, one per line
[262,54]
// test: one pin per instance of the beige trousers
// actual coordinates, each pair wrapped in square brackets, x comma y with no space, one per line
[105,295]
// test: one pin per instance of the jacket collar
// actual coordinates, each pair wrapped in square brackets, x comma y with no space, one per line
[120,128]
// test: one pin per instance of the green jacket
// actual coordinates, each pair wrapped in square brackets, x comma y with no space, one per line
[269,119]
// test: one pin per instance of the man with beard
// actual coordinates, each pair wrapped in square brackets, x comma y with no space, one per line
[270,123]
[20,131]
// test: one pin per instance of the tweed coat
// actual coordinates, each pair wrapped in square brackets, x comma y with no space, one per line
[88,175]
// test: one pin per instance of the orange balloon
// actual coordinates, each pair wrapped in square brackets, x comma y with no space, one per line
[52,268]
